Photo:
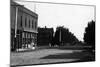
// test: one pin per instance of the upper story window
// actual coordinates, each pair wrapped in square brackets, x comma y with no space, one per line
[26,22]
[29,23]
[35,25]
[32,24]
[21,21]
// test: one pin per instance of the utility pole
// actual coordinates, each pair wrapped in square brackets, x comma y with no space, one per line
[16,18]
[35,12]
[35,7]
[60,36]
[16,21]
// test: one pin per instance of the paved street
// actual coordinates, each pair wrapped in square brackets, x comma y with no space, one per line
[45,56]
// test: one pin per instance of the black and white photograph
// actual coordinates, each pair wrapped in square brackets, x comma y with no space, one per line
[51,33]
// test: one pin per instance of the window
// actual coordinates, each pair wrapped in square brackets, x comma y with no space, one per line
[35,25]
[23,35]
[26,22]
[32,24]
[29,23]
[21,21]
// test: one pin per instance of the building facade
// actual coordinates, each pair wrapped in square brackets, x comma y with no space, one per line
[44,36]
[23,27]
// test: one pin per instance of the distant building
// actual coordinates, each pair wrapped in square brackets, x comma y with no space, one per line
[23,27]
[44,37]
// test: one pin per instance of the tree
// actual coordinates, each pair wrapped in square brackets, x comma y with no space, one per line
[63,35]
[89,35]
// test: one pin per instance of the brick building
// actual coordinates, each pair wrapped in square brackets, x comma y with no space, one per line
[44,36]
[23,27]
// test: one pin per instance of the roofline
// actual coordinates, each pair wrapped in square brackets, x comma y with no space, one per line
[22,6]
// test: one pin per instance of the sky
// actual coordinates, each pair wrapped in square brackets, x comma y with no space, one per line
[74,17]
